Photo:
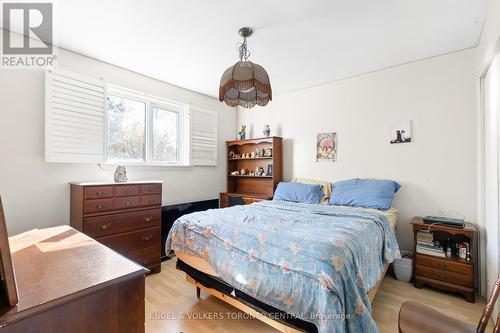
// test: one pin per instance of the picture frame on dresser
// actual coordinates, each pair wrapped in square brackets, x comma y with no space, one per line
[8,290]
[126,217]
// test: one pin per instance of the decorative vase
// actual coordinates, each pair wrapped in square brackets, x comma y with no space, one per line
[266,131]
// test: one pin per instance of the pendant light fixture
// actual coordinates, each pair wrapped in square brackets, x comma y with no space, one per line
[245,83]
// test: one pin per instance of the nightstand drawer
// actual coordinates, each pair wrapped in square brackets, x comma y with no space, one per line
[466,280]
[443,264]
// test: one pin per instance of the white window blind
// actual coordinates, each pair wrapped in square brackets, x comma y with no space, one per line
[75,118]
[203,137]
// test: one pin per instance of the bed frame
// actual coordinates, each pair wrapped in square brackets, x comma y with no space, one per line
[251,309]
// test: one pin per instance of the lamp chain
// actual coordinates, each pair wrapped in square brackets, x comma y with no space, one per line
[243,50]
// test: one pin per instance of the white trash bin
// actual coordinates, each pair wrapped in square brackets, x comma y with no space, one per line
[403,268]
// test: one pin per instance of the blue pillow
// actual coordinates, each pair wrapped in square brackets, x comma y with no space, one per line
[366,193]
[298,192]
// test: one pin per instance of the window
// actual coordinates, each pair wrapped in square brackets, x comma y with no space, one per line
[145,130]
[89,121]
[126,129]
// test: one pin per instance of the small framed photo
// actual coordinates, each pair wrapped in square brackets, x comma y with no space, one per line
[401,132]
[269,170]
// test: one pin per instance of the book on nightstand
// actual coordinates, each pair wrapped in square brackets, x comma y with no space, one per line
[426,245]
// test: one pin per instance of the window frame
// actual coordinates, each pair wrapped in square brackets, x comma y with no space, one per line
[182,110]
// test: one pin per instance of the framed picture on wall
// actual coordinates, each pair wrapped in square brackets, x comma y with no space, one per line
[326,147]
[401,132]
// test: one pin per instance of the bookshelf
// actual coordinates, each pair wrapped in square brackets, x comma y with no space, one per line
[252,188]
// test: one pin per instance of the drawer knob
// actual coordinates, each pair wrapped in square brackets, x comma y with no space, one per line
[148,219]
[105,226]
[442,276]
[128,203]
[150,201]
[99,206]
[147,237]
[145,253]
[99,194]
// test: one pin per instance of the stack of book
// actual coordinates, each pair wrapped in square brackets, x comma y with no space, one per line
[425,245]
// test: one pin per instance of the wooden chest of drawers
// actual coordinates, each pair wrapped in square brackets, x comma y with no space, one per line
[125,217]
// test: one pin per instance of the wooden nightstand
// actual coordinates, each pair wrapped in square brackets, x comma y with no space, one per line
[450,273]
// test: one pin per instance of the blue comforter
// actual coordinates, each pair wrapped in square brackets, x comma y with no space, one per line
[316,262]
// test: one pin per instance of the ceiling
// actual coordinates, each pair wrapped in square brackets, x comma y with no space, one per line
[300,43]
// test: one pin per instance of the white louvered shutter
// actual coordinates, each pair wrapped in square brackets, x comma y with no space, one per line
[203,137]
[75,118]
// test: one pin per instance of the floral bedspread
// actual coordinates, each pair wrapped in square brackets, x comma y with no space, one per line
[316,262]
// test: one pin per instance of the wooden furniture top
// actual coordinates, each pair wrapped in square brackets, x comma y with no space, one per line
[418,222]
[254,141]
[57,265]
[253,195]
[130,182]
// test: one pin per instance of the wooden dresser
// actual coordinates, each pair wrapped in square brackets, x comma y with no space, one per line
[68,282]
[124,216]
[449,273]
[250,187]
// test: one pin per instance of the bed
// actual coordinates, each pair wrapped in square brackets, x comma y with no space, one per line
[319,264]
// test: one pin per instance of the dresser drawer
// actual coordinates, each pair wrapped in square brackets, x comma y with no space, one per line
[446,265]
[126,202]
[130,241]
[146,256]
[97,205]
[119,223]
[126,190]
[95,192]
[466,280]
[151,200]
[151,189]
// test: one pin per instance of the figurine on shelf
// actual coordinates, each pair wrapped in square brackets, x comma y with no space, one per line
[268,152]
[266,131]
[251,173]
[269,170]
[231,154]
[236,156]
[261,171]
[243,171]
[242,133]
[235,173]
[253,155]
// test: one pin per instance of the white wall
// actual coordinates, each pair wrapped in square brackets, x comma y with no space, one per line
[36,193]
[488,48]
[437,170]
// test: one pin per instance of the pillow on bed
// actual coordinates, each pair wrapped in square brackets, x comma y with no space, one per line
[366,193]
[297,192]
[327,187]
